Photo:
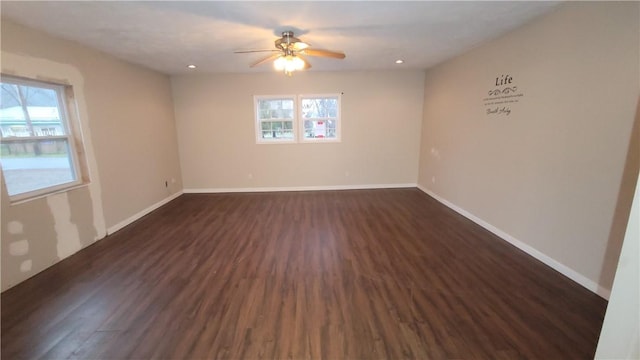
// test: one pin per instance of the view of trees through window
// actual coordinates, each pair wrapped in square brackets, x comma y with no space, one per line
[291,118]
[320,117]
[35,148]
[276,118]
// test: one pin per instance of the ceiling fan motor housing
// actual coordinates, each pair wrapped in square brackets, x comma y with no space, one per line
[286,41]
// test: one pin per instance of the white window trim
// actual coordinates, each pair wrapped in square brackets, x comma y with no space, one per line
[258,123]
[338,118]
[70,136]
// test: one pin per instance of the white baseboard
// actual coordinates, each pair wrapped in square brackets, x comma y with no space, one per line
[298,188]
[554,264]
[140,214]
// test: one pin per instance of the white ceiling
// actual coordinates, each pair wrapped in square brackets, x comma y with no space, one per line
[166,36]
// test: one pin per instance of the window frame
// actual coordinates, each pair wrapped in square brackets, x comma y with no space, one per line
[72,135]
[258,122]
[338,118]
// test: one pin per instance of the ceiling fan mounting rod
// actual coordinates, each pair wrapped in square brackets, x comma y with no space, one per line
[287,40]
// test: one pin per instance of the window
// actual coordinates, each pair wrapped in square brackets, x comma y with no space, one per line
[320,116]
[37,147]
[275,119]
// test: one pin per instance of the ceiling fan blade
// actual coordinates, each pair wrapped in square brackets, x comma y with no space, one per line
[264,60]
[307,65]
[254,51]
[300,45]
[323,53]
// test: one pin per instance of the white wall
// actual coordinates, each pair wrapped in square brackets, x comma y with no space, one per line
[548,175]
[127,123]
[381,117]
[620,336]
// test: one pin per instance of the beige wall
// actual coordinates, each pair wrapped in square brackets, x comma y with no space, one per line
[381,116]
[127,121]
[548,175]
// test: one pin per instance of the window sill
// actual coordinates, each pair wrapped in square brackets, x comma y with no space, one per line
[320,141]
[40,196]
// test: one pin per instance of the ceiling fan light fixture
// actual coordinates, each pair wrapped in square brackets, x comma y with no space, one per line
[298,64]
[288,64]
[279,63]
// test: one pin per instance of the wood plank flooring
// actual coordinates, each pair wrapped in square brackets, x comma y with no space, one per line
[363,274]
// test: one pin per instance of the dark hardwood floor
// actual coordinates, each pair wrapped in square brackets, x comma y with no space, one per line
[366,274]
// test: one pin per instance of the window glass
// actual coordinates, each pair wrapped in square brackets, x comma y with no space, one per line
[36,148]
[320,116]
[275,119]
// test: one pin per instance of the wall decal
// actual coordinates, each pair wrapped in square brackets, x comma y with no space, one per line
[503,97]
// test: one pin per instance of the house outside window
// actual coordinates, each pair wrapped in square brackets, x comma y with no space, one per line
[278,118]
[37,145]
[320,115]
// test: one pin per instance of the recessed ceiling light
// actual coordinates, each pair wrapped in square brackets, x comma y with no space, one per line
[191,66]
[399,61]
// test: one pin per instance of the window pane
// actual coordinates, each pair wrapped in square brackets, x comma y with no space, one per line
[275,118]
[287,104]
[275,109]
[319,129]
[273,130]
[36,152]
[29,111]
[319,107]
[34,165]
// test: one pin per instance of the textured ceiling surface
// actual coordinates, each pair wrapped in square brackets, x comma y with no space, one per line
[168,35]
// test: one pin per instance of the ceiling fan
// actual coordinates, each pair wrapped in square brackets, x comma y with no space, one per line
[289,54]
